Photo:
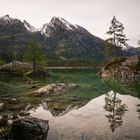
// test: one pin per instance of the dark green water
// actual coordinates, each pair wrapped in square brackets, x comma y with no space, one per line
[90,87]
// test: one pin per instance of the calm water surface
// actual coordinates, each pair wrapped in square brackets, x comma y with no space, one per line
[84,113]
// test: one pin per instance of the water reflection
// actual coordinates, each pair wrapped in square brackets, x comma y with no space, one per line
[59,108]
[89,122]
[116,110]
[132,89]
[20,88]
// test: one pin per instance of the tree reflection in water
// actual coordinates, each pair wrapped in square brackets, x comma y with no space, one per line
[116,110]
[138,110]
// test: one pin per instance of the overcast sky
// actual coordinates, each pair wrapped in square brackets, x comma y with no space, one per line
[94,15]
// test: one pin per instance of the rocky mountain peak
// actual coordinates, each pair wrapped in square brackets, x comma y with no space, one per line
[60,24]
[29,27]
[6,18]
[8,24]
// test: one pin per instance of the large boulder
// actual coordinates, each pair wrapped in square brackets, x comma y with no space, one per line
[29,128]
[16,65]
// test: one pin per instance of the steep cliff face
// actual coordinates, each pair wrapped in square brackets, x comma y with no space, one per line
[11,25]
[59,39]
[125,69]
[65,41]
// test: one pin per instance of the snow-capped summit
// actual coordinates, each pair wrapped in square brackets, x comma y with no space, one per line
[11,24]
[58,23]
[16,24]
[29,27]
[6,18]
[44,30]
[62,22]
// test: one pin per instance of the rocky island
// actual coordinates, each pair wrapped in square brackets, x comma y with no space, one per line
[17,68]
[124,68]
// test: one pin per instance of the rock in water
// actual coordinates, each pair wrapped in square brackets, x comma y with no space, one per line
[1,106]
[29,128]
[54,88]
[13,101]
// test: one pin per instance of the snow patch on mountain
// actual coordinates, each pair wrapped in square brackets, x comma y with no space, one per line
[55,22]
[60,20]
[6,18]
[47,29]
[67,24]
[44,30]
[30,27]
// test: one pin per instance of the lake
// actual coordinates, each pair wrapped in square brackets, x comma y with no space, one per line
[95,110]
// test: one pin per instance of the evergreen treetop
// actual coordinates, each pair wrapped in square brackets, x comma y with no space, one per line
[116,32]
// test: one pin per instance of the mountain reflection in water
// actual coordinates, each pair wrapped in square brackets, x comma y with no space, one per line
[89,122]
[59,109]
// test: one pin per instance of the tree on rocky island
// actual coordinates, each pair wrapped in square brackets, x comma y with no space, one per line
[117,39]
[34,54]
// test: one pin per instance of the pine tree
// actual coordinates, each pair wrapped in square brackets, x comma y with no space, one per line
[13,52]
[34,54]
[117,39]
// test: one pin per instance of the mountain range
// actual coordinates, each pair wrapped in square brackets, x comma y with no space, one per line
[59,39]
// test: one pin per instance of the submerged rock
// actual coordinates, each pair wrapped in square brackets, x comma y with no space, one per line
[54,88]
[1,106]
[59,106]
[14,101]
[29,128]
[24,113]
[34,86]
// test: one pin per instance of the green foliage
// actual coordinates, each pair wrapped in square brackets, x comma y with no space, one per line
[34,54]
[2,62]
[116,60]
[117,39]
[110,50]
